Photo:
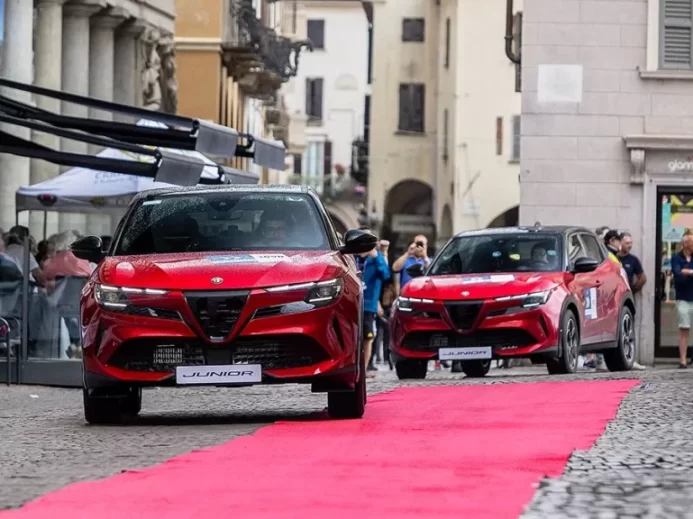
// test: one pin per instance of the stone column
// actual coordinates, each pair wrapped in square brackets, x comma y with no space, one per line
[75,80]
[47,63]
[101,85]
[17,64]
[126,71]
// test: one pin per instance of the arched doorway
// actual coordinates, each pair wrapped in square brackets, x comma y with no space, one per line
[445,230]
[408,212]
[509,218]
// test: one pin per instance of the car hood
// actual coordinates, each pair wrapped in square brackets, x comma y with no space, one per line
[481,286]
[237,270]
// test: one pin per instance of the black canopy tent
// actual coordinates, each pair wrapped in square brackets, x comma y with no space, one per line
[183,133]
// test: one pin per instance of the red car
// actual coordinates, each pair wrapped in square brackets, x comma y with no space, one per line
[543,293]
[223,286]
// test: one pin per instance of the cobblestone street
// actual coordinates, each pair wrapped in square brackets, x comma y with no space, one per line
[639,468]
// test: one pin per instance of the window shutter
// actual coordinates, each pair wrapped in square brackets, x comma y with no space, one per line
[298,164]
[317,98]
[327,159]
[419,108]
[447,43]
[316,33]
[309,97]
[516,137]
[676,32]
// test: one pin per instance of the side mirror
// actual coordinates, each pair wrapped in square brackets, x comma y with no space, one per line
[584,264]
[88,248]
[358,242]
[416,270]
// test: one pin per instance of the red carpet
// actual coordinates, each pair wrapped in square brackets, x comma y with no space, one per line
[471,452]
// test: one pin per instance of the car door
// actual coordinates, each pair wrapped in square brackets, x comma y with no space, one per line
[606,288]
[584,287]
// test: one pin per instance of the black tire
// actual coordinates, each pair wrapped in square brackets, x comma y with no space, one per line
[476,368]
[456,366]
[104,409]
[411,369]
[569,347]
[622,357]
[349,404]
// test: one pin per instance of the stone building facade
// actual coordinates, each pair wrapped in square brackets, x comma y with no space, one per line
[116,50]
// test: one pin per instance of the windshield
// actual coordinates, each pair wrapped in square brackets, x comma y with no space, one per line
[223,221]
[484,254]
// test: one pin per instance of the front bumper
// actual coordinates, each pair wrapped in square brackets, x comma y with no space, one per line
[305,346]
[506,330]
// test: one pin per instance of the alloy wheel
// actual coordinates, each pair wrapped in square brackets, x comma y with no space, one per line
[627,337]
[571,344]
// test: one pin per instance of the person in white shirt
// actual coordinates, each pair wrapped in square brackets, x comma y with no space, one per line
[15,249]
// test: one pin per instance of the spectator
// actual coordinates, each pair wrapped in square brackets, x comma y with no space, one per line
[9,270]
[15,249]
[46,250]
[64,263]
[682,270]
[387,298]
[634,271]
[374,272]
[416,253]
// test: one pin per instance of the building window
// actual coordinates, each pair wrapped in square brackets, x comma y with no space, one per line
[327,158]
[499,136]
[316,33]
[314,89]
[447,43]
[411,107]
[413,29]
[516,139]
[445,135]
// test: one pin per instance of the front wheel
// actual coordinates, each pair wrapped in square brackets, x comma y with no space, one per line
[105,409]
[622,357]
[476,368]
[411,369]
[349,404]
[569,347]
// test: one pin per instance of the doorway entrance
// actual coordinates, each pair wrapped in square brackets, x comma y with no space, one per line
[674,216]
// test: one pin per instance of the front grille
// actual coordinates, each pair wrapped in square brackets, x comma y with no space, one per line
[277,352]
[498,338]
[217,312]
[463,314]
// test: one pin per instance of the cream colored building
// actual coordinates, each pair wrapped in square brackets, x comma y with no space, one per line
[444,139]
[117,50]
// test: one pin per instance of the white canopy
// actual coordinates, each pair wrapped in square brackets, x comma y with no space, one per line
[83,190]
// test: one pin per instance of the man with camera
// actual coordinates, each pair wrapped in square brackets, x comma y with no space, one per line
[416,253]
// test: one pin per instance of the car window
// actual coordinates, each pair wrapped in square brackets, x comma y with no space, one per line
[481,254]
[223,221]
[575,248]
[592,247]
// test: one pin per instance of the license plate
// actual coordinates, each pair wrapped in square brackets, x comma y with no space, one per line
[475,353]
[230,374]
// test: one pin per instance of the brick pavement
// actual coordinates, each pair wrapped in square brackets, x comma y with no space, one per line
[640,468]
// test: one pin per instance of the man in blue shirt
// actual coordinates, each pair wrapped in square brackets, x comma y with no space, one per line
[417,253]
[374,272]
[682,270]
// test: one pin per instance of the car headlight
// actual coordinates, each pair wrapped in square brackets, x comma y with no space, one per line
[117,298]
[404,304]
[318,294]
[532,300]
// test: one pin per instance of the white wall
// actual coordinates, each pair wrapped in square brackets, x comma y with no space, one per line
[343,65]
[485,91]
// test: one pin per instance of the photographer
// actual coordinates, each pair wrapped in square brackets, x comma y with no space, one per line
[417,253]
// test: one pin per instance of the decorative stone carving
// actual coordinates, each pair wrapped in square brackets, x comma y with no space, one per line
[168,79]
[637,159]
[151,73]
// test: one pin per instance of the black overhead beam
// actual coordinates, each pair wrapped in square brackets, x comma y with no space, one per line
[183,133]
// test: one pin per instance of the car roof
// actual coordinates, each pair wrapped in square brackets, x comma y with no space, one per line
[224,188]
[534,229]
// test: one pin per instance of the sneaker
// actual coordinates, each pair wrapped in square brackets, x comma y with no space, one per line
[639,367]
[683,366]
